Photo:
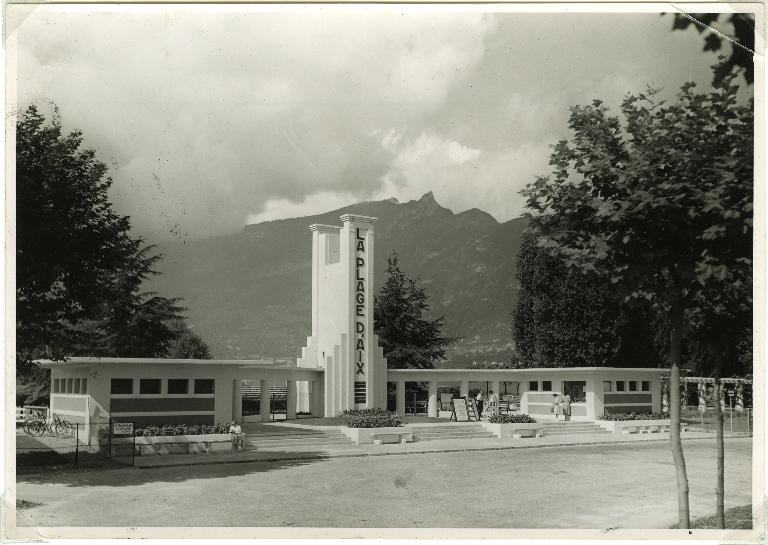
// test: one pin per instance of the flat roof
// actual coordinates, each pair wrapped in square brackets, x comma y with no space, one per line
[170,361]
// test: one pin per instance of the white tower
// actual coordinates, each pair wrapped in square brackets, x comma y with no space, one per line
[342,338]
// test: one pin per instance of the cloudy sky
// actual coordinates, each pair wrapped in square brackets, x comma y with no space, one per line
[211,118]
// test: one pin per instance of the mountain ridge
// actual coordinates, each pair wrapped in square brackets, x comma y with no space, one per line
[248,294]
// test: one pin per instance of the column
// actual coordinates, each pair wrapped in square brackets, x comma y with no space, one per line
[317,399]
[264,408]
[400,397]
[432,404]
[237,400]
[290,400]
[464,389]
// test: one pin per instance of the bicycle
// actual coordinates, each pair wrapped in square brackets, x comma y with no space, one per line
[57,426]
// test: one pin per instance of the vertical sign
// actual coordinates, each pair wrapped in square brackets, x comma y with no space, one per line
[360,308]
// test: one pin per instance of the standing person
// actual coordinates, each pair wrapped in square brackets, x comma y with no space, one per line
[556,406]
[565,403]
[480,400]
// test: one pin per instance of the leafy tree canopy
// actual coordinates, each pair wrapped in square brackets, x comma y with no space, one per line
[79,270]
[564,318]
[741,59]
[408,338]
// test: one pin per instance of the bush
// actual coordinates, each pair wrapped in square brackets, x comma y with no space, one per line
[372,418]
[511,419]
[621,417]
[180,429]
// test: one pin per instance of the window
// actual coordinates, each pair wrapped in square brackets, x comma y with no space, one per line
[646,386]
[607,386]
[360,392]
[178,386]
[121,386]
[83,385]
[69,385]
[203,385]
[149,386]
[533,386]
[55,386]
[76,386]
[577,389]
[332,249]
[633,386]
[619,386]
[546,386]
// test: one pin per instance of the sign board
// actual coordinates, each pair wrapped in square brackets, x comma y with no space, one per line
[460,409]
[122,428]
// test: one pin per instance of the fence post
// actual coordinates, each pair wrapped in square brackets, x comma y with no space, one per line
[109,439]
[77,443]
[133,450]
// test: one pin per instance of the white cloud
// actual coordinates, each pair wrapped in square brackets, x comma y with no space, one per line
[316,203]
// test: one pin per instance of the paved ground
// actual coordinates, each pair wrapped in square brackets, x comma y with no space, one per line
[629,485]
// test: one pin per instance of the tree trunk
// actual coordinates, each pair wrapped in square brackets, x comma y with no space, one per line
[720,488]
[676,334]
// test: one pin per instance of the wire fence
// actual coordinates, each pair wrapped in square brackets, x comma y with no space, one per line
[56,442]
[735,423]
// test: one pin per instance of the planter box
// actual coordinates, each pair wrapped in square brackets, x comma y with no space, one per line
[366,436]
[177,444]
[626,427]
[514,431]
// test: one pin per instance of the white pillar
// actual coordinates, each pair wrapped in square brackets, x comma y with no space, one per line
[317,399]
[464,389]
[400,395]
[432,405]
[237,400]
[264,408]
[290,400]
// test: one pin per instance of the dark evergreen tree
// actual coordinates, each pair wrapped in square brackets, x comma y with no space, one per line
[409,339]
[564,318]
[79,272]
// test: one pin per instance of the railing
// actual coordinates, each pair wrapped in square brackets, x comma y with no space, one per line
[734,422]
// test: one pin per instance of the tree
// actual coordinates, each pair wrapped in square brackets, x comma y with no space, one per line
[743,44]
[564,318]
[408,338]
[661,207]
[79,272]
[187,344]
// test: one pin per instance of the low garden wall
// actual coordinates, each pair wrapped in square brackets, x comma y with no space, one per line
[393,434]
[175,444]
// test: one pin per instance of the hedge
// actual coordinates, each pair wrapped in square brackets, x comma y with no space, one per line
[511,419]
[372,418]
[620,417]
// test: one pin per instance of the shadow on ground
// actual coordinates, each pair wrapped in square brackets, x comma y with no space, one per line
[132,476]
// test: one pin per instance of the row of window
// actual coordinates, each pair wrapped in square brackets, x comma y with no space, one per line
[546,385]
[627,386]
[150,386]
[70,386]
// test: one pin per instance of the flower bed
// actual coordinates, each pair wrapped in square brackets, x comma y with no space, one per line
[513,426]
[180,429]
[634,423]
[621,417]
[372,418]
[375,425]
[511,419]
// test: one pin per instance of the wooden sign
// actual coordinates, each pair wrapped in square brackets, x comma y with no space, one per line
[460,412]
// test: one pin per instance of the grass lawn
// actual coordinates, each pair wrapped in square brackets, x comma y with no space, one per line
[738,518]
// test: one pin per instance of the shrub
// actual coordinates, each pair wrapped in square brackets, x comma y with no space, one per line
[180,429]
[621,417]
[372,418]
[511,419]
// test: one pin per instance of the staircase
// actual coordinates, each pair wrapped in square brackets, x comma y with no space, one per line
[276,438]
[450,431]
[572,428]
